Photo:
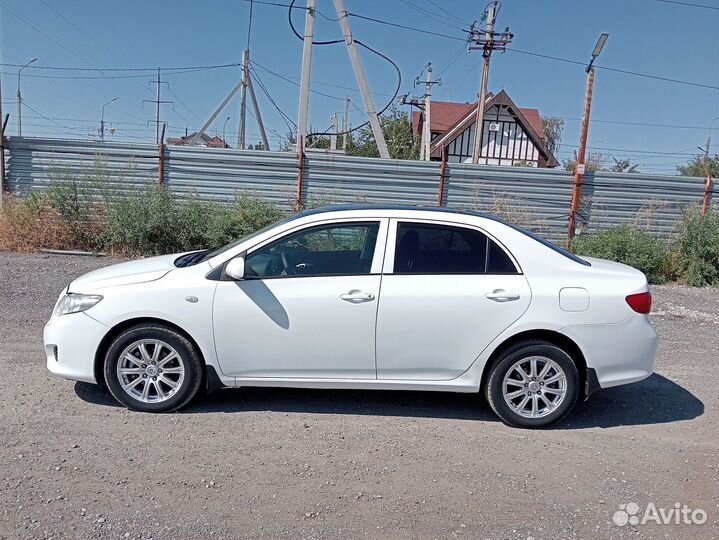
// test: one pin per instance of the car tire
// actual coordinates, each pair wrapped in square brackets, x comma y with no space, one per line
[545,393]
[153,368]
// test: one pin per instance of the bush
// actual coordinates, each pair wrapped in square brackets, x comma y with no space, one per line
[698,248]
[631,246]
[153,222]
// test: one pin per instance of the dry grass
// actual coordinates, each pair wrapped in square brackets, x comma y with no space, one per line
[32,224]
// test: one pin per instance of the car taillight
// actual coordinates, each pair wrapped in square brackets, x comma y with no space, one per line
[640,302]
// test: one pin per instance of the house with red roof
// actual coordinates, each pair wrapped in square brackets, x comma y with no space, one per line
[511,135]
[204,140]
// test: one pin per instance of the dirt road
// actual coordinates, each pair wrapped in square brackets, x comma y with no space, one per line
[274,463]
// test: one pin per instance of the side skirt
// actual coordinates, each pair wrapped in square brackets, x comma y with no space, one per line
[460,384]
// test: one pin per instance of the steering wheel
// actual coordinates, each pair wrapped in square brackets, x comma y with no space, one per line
[289,269]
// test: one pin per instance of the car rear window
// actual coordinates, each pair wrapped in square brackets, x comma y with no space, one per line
[425,248]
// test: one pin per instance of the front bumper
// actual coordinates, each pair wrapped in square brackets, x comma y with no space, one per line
[70,345]
[619,353]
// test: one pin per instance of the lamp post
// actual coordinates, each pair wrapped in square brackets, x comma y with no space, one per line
[19,97]
[224,141]
[102,120]
[581,156]
[708,169]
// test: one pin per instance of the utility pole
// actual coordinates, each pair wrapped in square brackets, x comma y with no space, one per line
[157,119]
[157,103]
[306,74]
[333,133]
[707,167]
[486,40]
[581,155]
[258,115]
[243,99]
[102,120]
[425,151]
[19,98]
[361,80]
[346,124]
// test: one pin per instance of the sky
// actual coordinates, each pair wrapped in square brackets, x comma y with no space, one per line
[653,122]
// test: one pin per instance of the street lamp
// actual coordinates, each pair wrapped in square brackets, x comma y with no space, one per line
[102,120]
[224,142]
[581,156]
[19,97]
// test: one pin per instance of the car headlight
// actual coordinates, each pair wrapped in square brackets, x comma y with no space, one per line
[75,303]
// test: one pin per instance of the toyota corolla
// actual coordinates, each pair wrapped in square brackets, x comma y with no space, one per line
[372,297]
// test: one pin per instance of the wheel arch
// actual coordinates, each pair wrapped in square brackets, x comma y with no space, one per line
[116,330]
[562,341]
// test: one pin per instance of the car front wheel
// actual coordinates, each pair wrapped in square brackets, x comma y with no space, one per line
[153,368]
[533,384]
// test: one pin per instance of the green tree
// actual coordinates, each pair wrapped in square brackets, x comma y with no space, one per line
[697,166]
[624,165]
[553,128]
[593,162]
[397,129]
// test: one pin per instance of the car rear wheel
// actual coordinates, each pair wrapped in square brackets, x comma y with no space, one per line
[533,384]
[153,368]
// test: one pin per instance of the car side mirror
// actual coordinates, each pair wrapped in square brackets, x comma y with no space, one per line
[236,268]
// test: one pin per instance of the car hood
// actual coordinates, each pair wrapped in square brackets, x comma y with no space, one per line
[127,273]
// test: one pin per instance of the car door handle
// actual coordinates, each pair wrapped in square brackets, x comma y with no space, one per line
[500,295]
[357,297]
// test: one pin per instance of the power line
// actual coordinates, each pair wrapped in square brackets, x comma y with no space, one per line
[405,27]
[40,30]
[436,17]
[59,14]
[173,68]
[439,7]
[625,123]
[108,77]
[617,70]
[704,6]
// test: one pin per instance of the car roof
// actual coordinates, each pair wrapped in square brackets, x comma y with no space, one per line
[442,210]
[391,207]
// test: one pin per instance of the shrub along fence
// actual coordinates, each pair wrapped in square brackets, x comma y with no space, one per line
[539,199]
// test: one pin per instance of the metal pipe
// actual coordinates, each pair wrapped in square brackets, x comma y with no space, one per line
[224,125]
[300,171]
[442,175]
[581,157]
[161,156]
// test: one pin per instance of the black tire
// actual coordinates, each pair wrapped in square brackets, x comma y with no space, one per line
[187,356]
[494,392]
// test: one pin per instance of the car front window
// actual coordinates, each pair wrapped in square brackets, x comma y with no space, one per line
[336,249]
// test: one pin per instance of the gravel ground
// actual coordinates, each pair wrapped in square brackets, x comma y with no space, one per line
[277,463]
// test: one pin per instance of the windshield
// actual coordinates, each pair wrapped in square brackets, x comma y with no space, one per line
[197,257]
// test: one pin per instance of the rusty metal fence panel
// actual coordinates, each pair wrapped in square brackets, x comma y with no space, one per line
[221,174]
[34,164]
[536,198]
[610,199]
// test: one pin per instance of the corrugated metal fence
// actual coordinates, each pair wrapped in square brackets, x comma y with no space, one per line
[537,198]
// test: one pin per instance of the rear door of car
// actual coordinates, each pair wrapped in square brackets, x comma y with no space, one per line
[448,290]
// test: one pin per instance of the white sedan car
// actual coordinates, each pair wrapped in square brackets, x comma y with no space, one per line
[373,297]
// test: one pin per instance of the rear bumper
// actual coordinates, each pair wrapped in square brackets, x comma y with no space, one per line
[619,353]
[70,345]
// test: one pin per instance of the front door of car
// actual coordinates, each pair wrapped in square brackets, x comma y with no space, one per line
[447,292]
[307,306]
